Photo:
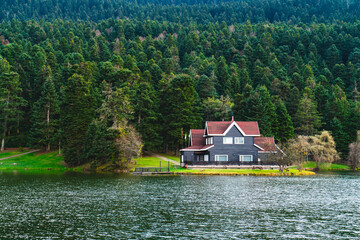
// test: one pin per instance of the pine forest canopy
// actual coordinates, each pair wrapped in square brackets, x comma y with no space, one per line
[183,64]
[184,11]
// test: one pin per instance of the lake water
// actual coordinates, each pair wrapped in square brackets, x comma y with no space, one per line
[78,206]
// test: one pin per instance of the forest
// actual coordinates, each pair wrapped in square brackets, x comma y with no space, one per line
[90,76]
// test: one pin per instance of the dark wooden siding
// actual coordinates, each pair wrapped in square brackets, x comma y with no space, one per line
[234,150]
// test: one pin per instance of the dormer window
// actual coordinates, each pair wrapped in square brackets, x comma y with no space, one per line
[209,140]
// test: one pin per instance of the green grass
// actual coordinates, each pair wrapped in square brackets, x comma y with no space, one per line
[149,162]
[35,161]
[10,153]
[327,166]
[172,157]
[264,172]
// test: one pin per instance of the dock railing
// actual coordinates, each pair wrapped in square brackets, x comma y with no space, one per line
[151,169]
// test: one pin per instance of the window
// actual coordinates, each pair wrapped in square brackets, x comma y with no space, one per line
[221,158]
[227,140]
[206,158]
[182,158]
[209,140]
[239,140]
[245,158]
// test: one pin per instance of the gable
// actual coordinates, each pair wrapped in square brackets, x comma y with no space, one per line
[197,137]
[234,131]
[222,128]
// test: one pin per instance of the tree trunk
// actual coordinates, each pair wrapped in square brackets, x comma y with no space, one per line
[166,147]
[5,123]
[48,125]
[4,134]
[59,147]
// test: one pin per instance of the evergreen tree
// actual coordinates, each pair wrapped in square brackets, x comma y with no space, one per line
[267,120]
[307,117]
[146,111]
[285,128]
[206,87]
[10,103]
[223,77]
[45,116]
[77,112]
[110,138]
[181,111]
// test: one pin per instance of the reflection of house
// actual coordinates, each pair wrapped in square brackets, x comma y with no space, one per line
[227,143]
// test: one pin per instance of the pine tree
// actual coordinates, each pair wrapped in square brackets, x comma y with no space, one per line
[10,102]
[223,77]
[307,117]
[76,114]
[243,74]
[46,116]
[285,128]
[181,109]
[146,111]
[268,120]
[206,87]
[110,138]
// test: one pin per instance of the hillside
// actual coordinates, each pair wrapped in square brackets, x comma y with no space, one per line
[172,76]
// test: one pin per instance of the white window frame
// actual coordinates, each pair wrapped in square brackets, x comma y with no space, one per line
[241,157]
[228,138]
[182,158]
[211,140]
[217,158]
[237,140]
[206,158]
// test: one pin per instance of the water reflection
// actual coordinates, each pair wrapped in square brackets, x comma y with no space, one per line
[75,206]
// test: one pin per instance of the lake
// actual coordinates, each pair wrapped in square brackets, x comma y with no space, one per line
[78,206]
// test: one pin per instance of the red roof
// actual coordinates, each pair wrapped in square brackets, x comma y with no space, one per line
[249,128]
[201,148]
[267,143]
[217,127]
[197,137]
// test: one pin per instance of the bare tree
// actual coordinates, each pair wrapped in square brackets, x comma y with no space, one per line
[322,147]
[298,150]
[354,153]
[129,145]
[276,155]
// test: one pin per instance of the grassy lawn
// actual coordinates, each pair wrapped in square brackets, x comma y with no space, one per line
[35,161]
[172,157]
[328,166]
[240,172]
[11,153]
[147,161]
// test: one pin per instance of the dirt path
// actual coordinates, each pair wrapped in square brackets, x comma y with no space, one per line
[17,155]
[165,159]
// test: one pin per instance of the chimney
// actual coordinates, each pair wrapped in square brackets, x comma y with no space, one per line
[232,118]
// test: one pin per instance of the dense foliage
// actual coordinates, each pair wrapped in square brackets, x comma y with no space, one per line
[184,11]
[292,79]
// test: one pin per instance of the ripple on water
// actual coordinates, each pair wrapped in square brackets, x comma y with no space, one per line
[181,207]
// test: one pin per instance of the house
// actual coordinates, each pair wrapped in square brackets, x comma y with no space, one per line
[227,143]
